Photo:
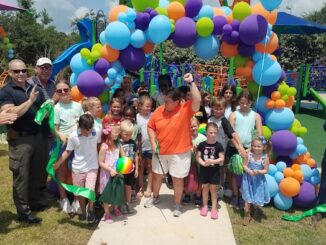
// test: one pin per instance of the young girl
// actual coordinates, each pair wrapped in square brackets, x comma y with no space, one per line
[210,157]
[229,93]
[66,114]
[114,115]
[247,124]
[254,187]
[145,111]
[93,106]
[109,153]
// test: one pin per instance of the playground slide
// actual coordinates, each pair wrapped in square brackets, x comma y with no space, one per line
[318,98]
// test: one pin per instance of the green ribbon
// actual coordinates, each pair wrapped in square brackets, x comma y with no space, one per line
[47,108]
[313,211]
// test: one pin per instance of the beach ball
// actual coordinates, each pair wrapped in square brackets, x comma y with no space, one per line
[289,187]
[202,128]
[282,202]
[124,165]
[306,197]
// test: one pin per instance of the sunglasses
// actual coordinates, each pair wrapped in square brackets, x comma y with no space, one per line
[63,90]
[45,68]
[19,71]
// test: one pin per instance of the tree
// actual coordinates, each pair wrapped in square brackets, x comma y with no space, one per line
[45,18]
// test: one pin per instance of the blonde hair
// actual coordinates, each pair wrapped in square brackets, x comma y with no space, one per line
[219,102]
[89,103]
[126,126]
[195,120]
[143,99]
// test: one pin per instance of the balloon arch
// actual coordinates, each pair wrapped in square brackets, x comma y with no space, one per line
[245,34]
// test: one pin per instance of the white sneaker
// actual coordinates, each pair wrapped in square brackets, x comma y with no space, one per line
[76,207]
[65,205]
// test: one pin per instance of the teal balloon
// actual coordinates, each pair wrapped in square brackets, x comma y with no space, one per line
[138,39]
[159,29]
[270,4]
[266,72]
[78,64]
[117,35]
[206,11]
[272,185]
[279,119]
[282,202]
[207,48]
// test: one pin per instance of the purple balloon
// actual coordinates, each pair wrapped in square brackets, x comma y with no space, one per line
[90,83]
[132,58]
[227,29]
[245,50]
[185,32]
[284,142]
[219,22]
[278,52]
[283,76]
[140,23]
[148,10]
[235,25]
[101,66]
[268,90]
[226,38]
[153,13]
[193,7]
[234,37]
[253,29]
[306,197]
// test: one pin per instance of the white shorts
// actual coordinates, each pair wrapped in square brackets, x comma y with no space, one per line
[178,165]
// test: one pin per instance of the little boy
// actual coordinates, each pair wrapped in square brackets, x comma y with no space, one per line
[83,142]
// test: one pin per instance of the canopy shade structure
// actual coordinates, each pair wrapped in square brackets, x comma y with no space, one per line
[8,7]
[291,24]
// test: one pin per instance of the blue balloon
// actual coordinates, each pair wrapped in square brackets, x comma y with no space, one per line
[315,180]
[260,104]
[266,72]
[105,108]
[272,169]
[78,64]
[112,73]
[270,4]
[300,140]
[108,82]
[123,17]
[257,56]
[282,202]
[279,119]
[138,39]
[226,10]
[131,14]
[164,3]
[131,25]
[117,65]
[278,176]
[315,172]
[102,38]
[159,29]
[306,170]
[206,11]
[207,48]
[73,79]
[117,35]
[281,166]
[272,185]
[301,149]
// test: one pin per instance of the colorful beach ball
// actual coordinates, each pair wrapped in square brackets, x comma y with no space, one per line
[124,165]
[202,128]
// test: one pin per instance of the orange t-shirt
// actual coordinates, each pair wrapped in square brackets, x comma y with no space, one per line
[172,128]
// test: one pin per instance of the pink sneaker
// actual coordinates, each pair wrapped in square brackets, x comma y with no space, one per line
[214,214]
[107,218]
[117,212]
[204,211]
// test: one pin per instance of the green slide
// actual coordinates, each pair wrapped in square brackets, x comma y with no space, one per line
[318,98]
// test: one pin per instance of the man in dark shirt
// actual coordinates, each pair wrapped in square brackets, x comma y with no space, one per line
[26,140]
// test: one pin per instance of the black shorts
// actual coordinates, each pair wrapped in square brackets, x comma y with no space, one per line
[210,175]
[230,151]
[129,179]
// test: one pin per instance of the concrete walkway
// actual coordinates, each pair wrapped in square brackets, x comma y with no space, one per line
[156,226]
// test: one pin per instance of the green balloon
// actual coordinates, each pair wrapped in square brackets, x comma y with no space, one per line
[104,97]
[85,53]
[282,88]
[253,88]
[241,11]
[204,27]
[267,133]
[183,2]
[292,91]
[162,11]
[240,61]
[141,5]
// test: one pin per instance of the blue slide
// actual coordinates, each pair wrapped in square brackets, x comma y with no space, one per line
[85,32]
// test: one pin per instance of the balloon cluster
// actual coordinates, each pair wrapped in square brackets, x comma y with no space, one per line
[7,43]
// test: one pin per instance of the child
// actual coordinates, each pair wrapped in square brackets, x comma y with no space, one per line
[109,153]
[83,142]
[202,114]
[196,140]
[130,150]
[229,93]
[254,187]
[114,115]
[210,156]
[93,106]
[247,124]
[66,114]
[145,111]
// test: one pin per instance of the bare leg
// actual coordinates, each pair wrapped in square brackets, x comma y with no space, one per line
[61,175]
[141,178]
[205,194]
[106,208]
[128,193]
[178,189]
[235,189]
[213,190]
[82,202]
[157,182]
[148,165]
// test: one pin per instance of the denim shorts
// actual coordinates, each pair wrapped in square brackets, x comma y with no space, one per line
[147,154]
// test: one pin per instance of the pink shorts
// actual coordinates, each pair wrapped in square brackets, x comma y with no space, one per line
[87,180]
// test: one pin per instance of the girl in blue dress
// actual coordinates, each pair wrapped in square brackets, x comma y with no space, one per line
[254,187]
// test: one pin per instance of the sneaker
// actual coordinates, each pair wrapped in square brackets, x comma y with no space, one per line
[76,207]
[65,205]
[214,214]
[90,216]
[126,209]
[107,218]
[186,199]
[204,211]
[117,212]
[235,202]
[151,202]
[177,210]
[197,201]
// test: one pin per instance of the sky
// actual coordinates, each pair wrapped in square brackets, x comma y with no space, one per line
[63,11]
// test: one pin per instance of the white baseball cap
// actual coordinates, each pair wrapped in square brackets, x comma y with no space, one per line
[43,61]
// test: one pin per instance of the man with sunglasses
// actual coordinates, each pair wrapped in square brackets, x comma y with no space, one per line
[25,139]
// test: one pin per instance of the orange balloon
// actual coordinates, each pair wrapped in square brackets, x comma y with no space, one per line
[218,11]
[270,47]
[308,154]
[148,47]
[228,50]
[311,162]
[288,172]
[115,11]
[298,175]
[250,63]
[247,72]
[229,18]
[290,102]
[176,11]
[289,187]
[109,53]
[269,16]
[279,104]
[276,95]
[295,166]
[76,95]
[270,104]
[302,159]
